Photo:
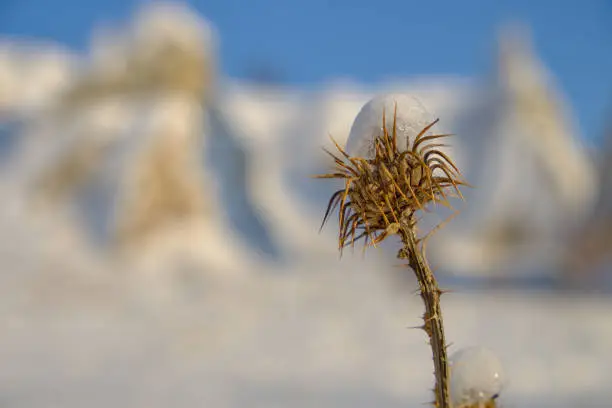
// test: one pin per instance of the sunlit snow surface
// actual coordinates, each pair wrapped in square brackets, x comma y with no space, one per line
[331,334]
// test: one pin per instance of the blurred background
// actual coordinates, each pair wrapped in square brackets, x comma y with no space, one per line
[159,229]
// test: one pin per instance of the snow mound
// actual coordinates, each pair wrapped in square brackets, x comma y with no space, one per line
[411,119]
[476,376]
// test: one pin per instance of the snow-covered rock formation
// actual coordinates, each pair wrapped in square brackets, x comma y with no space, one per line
[147,143]
[534,180]
[589,255]
[124,145]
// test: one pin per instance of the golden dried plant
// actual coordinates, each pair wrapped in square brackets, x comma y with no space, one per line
[381,197]
[393,184]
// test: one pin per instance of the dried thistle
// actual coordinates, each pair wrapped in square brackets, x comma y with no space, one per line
[381,197]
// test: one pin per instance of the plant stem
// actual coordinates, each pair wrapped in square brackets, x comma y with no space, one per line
[432,318]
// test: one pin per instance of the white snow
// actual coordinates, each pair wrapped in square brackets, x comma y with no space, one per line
[316,334]
[409,113]
[32,75]
[476,376]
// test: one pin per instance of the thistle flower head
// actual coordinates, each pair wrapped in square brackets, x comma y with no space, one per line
[392,182]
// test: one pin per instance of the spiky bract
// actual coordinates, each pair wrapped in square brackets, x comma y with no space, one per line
[395,183]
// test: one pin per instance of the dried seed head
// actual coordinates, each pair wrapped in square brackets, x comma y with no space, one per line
[395,172]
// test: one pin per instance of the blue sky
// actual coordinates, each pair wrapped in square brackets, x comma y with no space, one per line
[310,41]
